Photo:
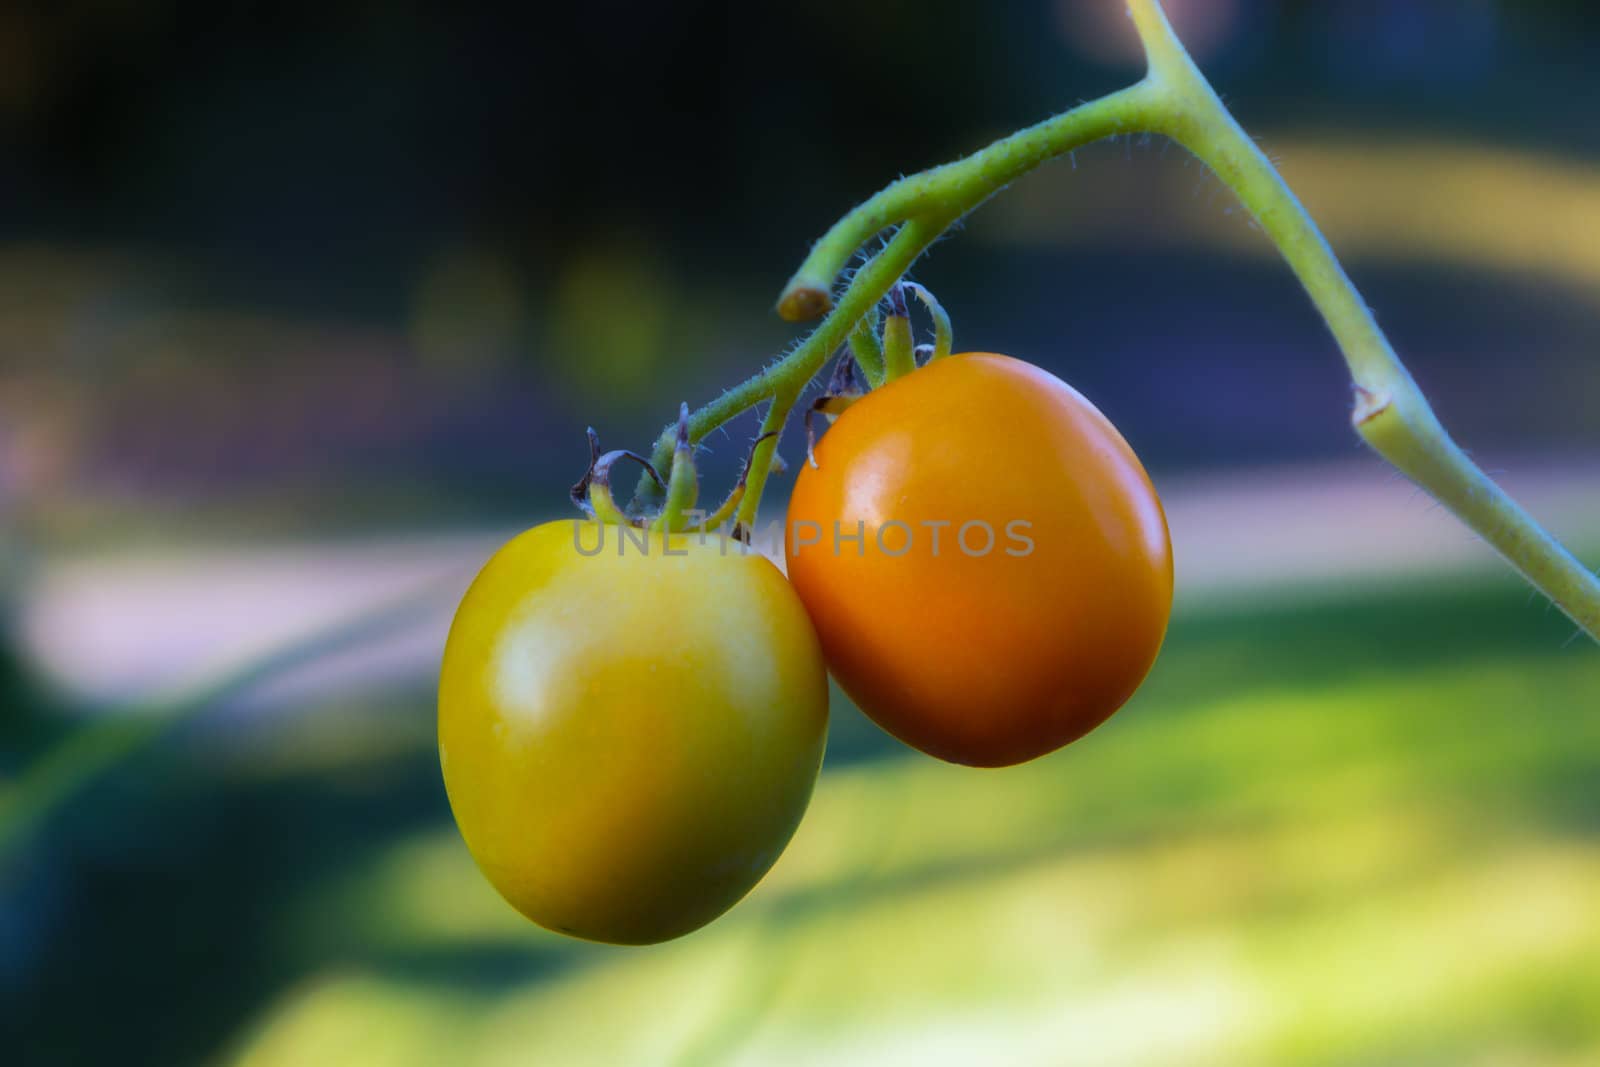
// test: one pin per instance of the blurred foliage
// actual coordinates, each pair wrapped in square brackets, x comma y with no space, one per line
[23,721]
[1321,835]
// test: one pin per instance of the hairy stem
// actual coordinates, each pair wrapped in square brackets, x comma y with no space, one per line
[789,376]
[1173,99]
[943,332]
[868,350]
[898,358]
[761,456]
[1391,414]
[955,189]
[923,206]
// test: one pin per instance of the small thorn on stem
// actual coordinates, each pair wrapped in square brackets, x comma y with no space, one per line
[592,493]
[750,460]
[750,457]
[844,388]
[845,379]
[580,492]
[897,340]
[943,335]
[897,301]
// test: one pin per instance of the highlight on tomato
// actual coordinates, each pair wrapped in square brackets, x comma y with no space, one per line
[629,726]
[985,559]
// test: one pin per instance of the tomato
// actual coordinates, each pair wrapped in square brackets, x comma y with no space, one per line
[628,738]
[985,559]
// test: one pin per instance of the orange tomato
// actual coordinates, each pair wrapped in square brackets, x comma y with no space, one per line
[985,560]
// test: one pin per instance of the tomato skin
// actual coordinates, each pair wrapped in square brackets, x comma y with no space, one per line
[628,740]
[995,659]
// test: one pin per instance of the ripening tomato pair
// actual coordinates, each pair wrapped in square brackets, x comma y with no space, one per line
[629,736]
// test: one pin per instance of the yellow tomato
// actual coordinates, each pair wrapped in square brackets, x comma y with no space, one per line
[629,737]
[985,560]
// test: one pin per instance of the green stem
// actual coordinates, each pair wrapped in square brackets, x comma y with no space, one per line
[761,457]
[682,483]
[956,188]
[898,359]
[791,374]
[867,351]
[924,205]
[1175,99]
[943,332]
[1391,414]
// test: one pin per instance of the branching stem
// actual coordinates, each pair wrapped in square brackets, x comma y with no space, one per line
[1390,413]
[1173,99]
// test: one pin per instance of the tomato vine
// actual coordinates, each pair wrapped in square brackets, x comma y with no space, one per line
[1173,99]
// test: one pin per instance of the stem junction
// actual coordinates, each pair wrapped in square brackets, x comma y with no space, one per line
[1175,100]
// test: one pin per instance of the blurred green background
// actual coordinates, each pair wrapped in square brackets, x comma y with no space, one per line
[305,307]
